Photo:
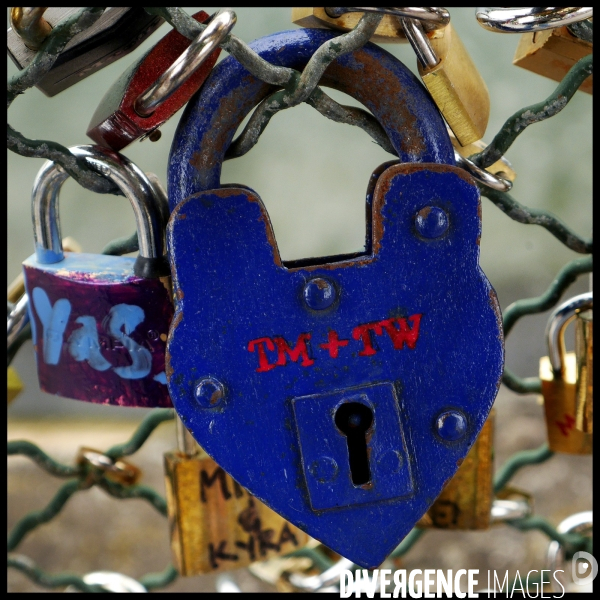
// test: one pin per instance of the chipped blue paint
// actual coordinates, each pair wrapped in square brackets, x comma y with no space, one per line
[413,329]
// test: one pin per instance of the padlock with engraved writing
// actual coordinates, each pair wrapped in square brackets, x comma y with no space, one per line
[341,391]
[444,64]
[560,375]
[119,31]
[466,500]
[153,89]
[99,323]
[215,524]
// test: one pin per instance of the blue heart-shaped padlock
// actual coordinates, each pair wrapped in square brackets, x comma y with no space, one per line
[342,392]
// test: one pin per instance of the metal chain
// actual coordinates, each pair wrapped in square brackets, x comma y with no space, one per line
[297,87]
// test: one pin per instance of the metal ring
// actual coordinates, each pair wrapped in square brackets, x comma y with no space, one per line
[225,584]
[432,17]
[114,582]
[314,583]
[521,20]
[118,470]
[28,24]
[130,179]
[509,510]
[176,75]
[581,523]
[557,322]
[481,175]
[16,320]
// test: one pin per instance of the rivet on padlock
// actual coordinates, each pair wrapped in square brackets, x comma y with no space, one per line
[558,373]
[119,31]
[360,390]
[153,89]
[388,31]
[466,501]
[216,525]
[99,323]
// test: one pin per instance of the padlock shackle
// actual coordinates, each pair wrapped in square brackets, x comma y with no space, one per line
[371,75]
[557,323]
[147,200]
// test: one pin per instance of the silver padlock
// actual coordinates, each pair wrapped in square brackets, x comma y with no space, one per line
[119,31]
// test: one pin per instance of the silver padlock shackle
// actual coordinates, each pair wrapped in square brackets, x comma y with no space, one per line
[432,17]
[16,320]
[189,62]
[557,322]
[147,200]
[523,19]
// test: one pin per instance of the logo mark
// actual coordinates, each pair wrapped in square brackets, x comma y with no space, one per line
[585,568]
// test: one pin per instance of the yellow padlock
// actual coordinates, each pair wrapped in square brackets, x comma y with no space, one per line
[389,30]
[444,64]
[584,354]
[466,501]
[552,53]
[14,385]
[558,373]
[215,524]
[452,79]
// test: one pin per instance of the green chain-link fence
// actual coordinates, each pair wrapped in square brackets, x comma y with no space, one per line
[296,88]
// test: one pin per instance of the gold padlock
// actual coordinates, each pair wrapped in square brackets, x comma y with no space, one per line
[466,501]
[444,64]
[215,524]
[552,53]
[389,30]
[14,385]
[452,79]
[558,373]
[584,354]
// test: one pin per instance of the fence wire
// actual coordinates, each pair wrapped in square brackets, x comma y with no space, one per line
[296,88]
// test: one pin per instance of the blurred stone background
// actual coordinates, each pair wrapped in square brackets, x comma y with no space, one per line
[312,175]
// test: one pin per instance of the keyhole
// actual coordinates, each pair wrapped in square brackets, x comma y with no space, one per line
[354,420]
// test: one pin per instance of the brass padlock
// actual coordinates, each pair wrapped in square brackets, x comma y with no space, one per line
[444,64]
[452,79]
[466,501]
[559,375]
[389,30]
[14,385]
[552,53]
[215,524]
[584,354]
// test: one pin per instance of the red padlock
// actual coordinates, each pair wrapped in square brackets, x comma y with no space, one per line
[152,90]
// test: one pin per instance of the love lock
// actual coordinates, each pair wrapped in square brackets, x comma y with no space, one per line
[341,391]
